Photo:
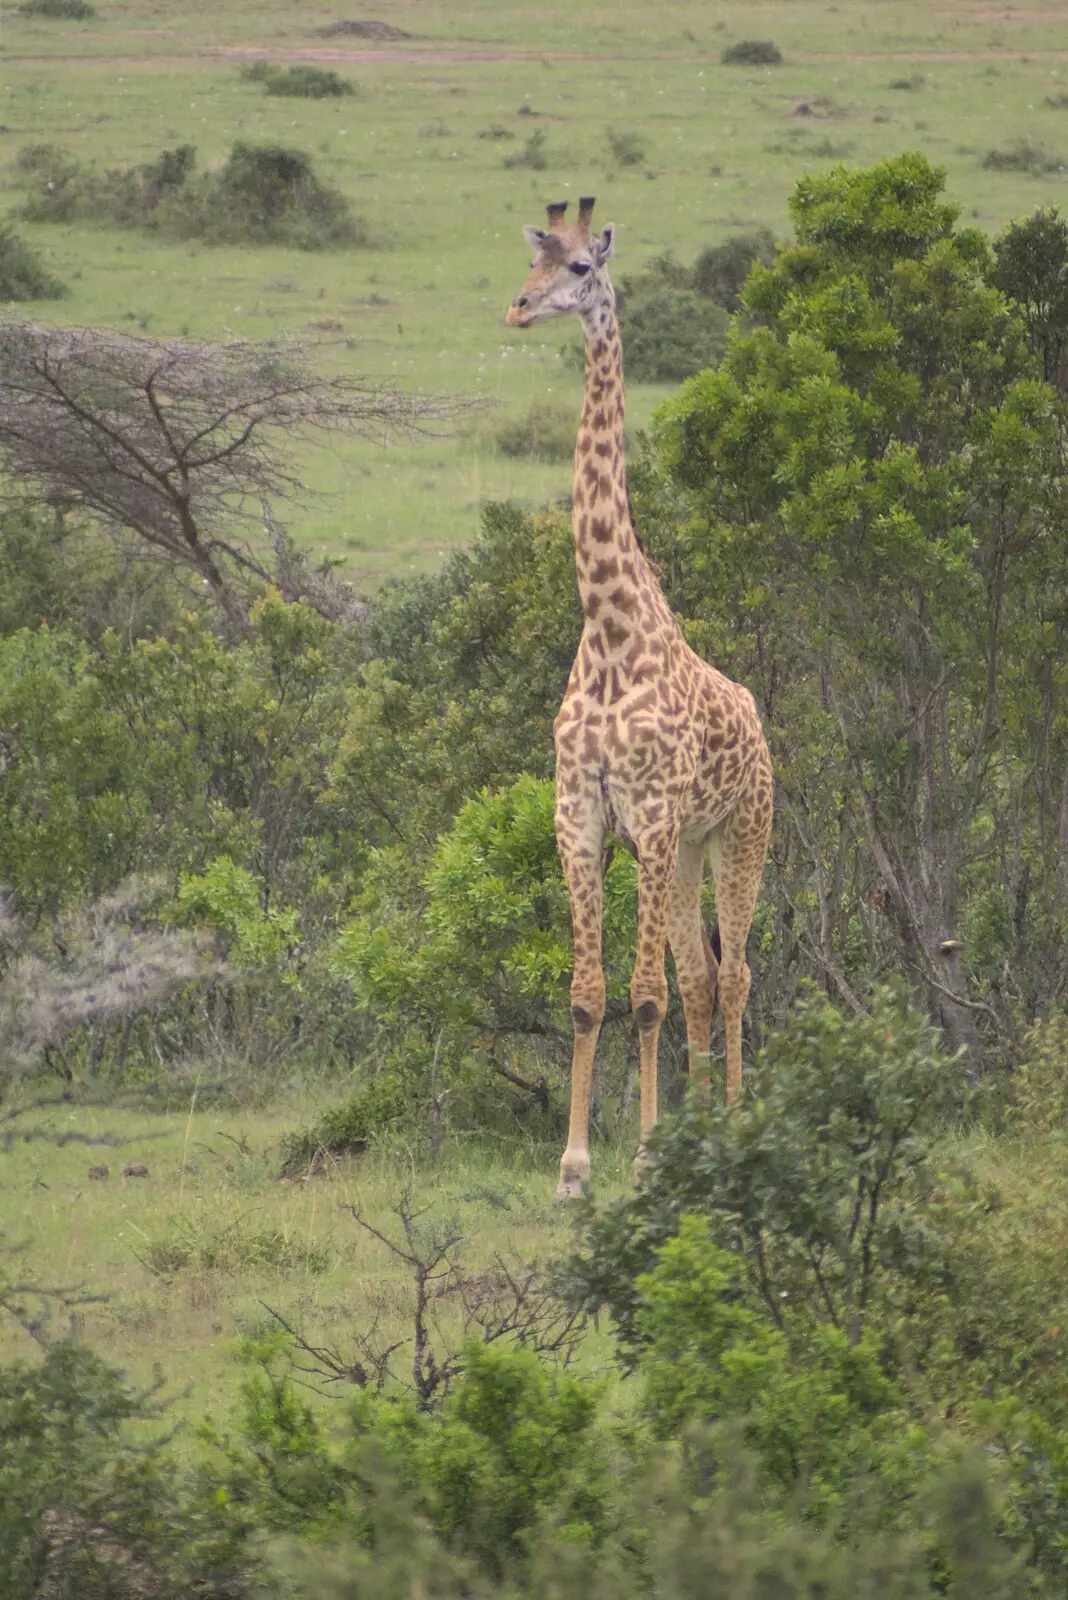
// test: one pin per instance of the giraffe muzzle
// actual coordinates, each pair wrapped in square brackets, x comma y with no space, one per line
[519,313]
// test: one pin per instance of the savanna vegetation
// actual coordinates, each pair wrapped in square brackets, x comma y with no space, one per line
[284,946]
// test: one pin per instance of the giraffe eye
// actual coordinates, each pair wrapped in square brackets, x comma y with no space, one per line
[579,268]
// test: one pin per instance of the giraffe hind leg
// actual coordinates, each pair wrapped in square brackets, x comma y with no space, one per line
[696,967]
[738,866]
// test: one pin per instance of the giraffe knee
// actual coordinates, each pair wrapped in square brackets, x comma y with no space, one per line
[733,988]
[585,1020]
[647,1015]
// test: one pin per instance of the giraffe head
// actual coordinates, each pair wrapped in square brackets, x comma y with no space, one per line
[568,271]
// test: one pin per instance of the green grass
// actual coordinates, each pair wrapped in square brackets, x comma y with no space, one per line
[722,146]
[188,1257]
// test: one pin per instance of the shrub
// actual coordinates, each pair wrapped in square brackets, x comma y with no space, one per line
[1023,156]
[818,1181]
[345,1129]
[627,148]
[544,433]
[752,53]
[67,10]
[720,270]
[668,334]
[495,131]
[22,275]
[533,154]
[301,82]
[263,194]
[915,80]
[1057,102]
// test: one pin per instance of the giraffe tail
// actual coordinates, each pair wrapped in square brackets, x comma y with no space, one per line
[714,953]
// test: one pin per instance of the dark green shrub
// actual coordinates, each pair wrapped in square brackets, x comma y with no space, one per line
[627,149]
[915,80]
[752,53]
[720,270]
[301,81]
[495,131]
[544,433]
[263,194]
[93,1509]
[22,275]
[67,10]
[1023,156]
[345,1129]
[818,1179]
[668,334]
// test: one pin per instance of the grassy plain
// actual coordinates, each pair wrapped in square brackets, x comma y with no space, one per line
[723,147]
[191,1255]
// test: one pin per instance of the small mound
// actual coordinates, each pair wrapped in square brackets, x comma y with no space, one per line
[361,30]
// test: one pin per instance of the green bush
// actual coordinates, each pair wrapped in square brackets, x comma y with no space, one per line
[67,10]
[752,53]
[301,82]
[1023,156]
[22,276]
[263,194]
[668,334]
[627,148]
[819,1180]
[720,270]
[544,433]
[346,1129]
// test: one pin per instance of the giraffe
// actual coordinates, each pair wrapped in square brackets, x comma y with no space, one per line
[652,742]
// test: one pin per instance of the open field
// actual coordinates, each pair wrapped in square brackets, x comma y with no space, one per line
[723,147]
[253,1240]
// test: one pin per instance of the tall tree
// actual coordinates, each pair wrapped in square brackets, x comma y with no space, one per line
[875,478]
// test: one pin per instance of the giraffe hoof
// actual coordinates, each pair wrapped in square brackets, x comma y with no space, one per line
[643,1162]
[574,1181]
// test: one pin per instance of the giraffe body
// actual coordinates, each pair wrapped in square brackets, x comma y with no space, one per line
[652,743]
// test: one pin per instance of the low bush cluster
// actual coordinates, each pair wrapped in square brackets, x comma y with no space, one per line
[300,82]
[262,194]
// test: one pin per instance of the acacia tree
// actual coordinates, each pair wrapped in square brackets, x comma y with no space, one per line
[875,478]
[186,445]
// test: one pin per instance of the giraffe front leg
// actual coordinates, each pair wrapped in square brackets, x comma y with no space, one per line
[580,845]
[648,986]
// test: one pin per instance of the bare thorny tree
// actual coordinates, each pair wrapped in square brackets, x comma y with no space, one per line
[188,446]
[513,1302]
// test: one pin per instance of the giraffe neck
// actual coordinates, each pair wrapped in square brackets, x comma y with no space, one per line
[609,563]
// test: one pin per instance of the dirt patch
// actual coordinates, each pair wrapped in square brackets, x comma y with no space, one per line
[361,30]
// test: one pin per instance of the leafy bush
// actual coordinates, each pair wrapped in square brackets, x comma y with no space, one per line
[668,334]
[68,10]
[1023,156]
[22,276]
[752,53]
[819,1180]
[720,270]
[544,433]
[302,81]
[627,149]
[348,1128]
[263,194]
[91,1506]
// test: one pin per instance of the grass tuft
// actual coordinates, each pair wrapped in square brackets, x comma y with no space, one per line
[236,1247]
[533,154]
[627,148]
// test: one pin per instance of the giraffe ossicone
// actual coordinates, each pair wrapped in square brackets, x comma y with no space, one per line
[652,743]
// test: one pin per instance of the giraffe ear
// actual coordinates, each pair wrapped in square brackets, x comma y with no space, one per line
[602,247]
[535,237]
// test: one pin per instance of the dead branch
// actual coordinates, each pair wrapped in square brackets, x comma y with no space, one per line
[179,442]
